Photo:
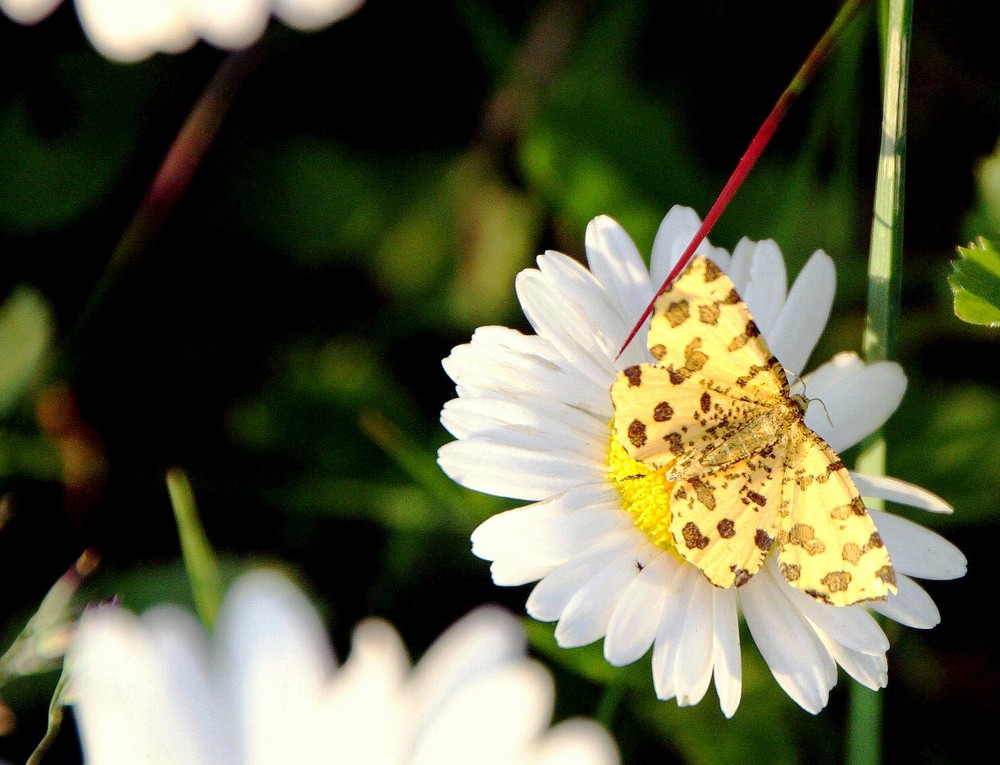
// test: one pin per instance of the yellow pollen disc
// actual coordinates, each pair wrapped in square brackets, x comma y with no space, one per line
[645,494]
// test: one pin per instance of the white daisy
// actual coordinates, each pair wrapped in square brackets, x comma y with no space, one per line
[532,422]
[131,30]
[266,690]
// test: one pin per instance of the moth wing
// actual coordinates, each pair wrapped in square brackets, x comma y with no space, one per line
[660,415]
[725,521]
[829,545]
[700,325]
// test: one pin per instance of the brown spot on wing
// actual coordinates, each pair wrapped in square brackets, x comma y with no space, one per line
[677,313]
[791,571]
[712,271]
[726,528]
[694,357]
[675,443]
[740,575]
[693,537]
[804,536]
[637,433]
[633,374]
[837,581]
[762,540]
[675,376]
[659,351]
[706,402]
[887,574]
[663,412]
[704,493]
[709,314]
[851,553]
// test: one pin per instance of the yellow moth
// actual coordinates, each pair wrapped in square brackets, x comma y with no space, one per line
[743,472]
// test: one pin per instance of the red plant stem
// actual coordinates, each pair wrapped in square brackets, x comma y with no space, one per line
[760,140]
[167,187]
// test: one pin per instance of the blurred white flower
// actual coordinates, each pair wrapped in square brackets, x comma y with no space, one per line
[532,421]
[131,30]
[266,689]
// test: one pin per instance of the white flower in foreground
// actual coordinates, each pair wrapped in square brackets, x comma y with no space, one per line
[131,30]
[532,422]
[266,690]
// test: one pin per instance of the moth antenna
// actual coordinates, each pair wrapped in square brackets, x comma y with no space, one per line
[799,381]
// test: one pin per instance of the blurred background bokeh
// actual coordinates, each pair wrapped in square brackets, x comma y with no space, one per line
[365,205]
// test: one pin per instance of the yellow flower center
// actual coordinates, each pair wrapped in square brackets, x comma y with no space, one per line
[645,494]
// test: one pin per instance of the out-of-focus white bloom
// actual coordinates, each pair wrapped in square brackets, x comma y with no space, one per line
[266,689]
[28,11]
[131,30]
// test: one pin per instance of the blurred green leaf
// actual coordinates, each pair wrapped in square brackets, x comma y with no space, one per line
[956,439]
[28,455]
[985,213]
[59,156]
[26,328]
[975,283]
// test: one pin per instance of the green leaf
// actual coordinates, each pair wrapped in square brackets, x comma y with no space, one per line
[976,283]
[25,333]
[63,146]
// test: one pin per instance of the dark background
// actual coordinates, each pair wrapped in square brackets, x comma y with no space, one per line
[364,207]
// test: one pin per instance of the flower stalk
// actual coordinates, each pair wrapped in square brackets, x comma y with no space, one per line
[864,743]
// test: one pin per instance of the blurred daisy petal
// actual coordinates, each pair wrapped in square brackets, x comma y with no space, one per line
[266,688]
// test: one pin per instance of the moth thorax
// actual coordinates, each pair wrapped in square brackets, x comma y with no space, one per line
[752,437]
[801,402]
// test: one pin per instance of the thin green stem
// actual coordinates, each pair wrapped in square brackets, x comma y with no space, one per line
[199,559]
[864,742]
[56,707]
[802,77]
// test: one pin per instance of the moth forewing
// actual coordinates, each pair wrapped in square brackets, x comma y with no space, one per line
[716,415]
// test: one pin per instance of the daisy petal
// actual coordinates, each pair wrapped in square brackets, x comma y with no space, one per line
[577,742]
[673,237]
[552,594]
[471,718]
[693,665]
[793,651]
[546,533]
[910,606]
[564,324]
[764,292]
[804,313]
[918,551]
[872,671]
[617,264]
[513,471]
[728,670]
[120,714]
[854,628]
[636,617]
[852,399]
[586,616]
[682,649]
[549,426]
[895,490]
